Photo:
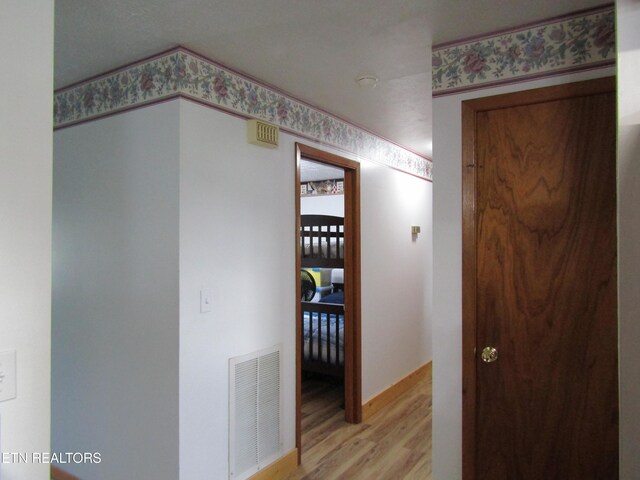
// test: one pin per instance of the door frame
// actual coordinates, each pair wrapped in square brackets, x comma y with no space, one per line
[470,110]
[352,332]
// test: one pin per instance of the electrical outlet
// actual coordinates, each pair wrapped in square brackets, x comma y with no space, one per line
[7,375]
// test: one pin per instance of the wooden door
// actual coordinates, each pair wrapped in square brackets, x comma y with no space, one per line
[540,285]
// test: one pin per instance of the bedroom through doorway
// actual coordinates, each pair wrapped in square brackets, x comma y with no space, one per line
[322,296]
[328,300]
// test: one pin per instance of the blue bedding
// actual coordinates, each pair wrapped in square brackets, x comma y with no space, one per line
[337,297]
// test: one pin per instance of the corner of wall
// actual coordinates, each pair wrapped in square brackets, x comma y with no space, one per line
[25,230]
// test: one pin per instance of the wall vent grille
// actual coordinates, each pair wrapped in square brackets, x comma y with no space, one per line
[262,133]
[254,412]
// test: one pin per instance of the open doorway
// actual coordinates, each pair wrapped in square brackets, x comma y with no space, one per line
[328,285]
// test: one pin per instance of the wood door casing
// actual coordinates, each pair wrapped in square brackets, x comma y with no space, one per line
[544,287]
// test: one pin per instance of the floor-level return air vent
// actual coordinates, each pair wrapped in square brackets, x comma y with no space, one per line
[254,412]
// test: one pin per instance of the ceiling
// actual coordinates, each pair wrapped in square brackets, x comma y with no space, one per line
[311,171]
[311,49]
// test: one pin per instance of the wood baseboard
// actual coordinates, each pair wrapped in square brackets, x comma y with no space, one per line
[58,474]
[279,469]
[384,398]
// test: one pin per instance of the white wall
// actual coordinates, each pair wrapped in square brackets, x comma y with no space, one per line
[396,276]
[322,205]
[236,238]
[115,294]
[237,223]
[447,289]
[26,81]
[173,193]
[628,20]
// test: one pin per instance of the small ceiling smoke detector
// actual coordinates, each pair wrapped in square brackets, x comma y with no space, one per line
[367,81]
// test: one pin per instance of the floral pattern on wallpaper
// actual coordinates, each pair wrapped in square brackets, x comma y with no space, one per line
[181,73]
[572,43]
[322,187]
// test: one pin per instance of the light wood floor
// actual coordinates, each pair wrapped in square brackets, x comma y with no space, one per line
[394,444]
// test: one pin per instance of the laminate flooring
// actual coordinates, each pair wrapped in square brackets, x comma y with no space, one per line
[394,444]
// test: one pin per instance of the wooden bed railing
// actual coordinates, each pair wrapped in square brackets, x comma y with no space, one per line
[322,241]
[329,360]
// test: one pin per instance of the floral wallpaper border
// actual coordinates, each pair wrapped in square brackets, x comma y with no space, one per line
[322,187]
[580,41]
[182,73]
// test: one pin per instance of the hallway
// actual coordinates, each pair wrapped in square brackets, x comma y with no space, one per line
[394,444]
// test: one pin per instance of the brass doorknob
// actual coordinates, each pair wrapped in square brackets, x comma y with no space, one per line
[489,354]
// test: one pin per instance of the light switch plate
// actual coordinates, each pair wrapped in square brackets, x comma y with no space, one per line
[7,375]
[205,300]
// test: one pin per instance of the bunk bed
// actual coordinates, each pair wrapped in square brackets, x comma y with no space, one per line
[322,246]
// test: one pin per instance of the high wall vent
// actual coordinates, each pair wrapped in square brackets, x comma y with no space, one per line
[255,412]
[262,133]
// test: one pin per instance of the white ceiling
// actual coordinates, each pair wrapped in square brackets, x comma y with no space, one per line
[312,49]
[311,171]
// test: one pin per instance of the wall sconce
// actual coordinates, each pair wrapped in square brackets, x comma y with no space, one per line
[415,230]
